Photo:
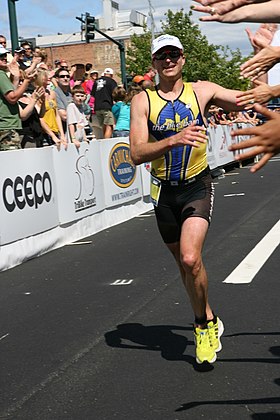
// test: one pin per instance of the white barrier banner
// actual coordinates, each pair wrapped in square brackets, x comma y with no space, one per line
[146,178]
[239,139]
[122,179]
[79,181]
[211,145]
[222,143]
[28,204]
[219,139]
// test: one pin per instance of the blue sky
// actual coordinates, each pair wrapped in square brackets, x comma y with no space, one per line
[48,17]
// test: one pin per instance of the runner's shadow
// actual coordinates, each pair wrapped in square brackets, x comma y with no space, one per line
[159,338]
[275,350]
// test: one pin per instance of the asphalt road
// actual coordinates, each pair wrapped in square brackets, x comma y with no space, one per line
[101,329]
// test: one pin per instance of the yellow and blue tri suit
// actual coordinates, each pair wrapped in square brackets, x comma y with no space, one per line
[167,118]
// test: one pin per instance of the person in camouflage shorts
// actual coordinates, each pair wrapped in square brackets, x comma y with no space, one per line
[9,140]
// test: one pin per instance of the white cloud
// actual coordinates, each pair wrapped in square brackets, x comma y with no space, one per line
[232,35]
[59,16]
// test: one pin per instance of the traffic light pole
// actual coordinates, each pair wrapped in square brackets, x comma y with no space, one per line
[121,46]
[13,24]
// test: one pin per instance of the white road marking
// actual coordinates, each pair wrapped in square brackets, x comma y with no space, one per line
[144,215]
[4,336]
[233,195]
[232,173]
[249,267]
[121,282]
[80,243]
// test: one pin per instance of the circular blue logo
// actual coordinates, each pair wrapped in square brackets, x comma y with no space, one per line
[122,169]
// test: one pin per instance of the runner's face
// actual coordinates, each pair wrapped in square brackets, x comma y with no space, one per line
[168,61]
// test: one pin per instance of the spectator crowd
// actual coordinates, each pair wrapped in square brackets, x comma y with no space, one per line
[43,105]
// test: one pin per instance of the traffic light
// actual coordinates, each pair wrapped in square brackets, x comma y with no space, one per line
[89,27]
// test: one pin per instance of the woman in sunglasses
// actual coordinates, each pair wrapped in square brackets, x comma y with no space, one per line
[51,121]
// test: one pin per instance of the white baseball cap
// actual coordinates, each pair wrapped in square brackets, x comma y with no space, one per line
[164,41]
[108,70]
[3,50]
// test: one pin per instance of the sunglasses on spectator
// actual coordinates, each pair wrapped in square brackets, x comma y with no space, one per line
[3,56]
[63,76]
[172,54]
[64,67]
[26,49]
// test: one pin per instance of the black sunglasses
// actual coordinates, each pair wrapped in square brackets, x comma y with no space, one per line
[64,67]
[3,56]
[64,76]
[173,54]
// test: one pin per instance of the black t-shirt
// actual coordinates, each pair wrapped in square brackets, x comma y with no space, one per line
[102,92]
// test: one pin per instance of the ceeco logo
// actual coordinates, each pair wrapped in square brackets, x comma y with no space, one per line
[122,169]
[28,191]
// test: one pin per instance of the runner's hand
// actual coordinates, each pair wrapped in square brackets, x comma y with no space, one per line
[190,136]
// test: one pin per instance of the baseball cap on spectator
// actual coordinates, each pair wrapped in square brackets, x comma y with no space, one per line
[138,79]
[19,50]
[93,71]
[108,70]
[3,50]
[164,41]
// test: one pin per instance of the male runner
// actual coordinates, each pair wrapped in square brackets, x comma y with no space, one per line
[167,128]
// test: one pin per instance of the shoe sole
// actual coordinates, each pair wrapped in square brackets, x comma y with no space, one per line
[221,329]
[208,361]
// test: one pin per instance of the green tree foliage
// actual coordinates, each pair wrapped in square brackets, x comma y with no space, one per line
[204,61]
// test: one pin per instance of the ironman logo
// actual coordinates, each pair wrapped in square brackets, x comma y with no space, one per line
[122,169]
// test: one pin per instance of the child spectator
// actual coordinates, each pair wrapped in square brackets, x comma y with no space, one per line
[77,121]
[121,109]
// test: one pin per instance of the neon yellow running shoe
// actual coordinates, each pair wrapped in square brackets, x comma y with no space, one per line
[205,352]
[216,329]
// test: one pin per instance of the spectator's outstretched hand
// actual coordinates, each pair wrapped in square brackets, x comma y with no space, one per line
[261,94]
[260,63]
[265,139]
[234,11]
[262,37]
[217,8]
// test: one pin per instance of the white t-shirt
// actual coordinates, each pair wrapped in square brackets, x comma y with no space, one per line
[274,72]
[76,116]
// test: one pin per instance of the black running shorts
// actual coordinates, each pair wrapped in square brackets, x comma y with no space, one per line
[177,203]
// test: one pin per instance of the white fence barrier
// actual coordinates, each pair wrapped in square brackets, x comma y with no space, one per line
[51,198]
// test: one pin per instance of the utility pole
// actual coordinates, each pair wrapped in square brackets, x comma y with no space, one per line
[151,10]
[13,24]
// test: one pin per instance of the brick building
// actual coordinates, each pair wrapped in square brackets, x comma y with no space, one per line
[101,52]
